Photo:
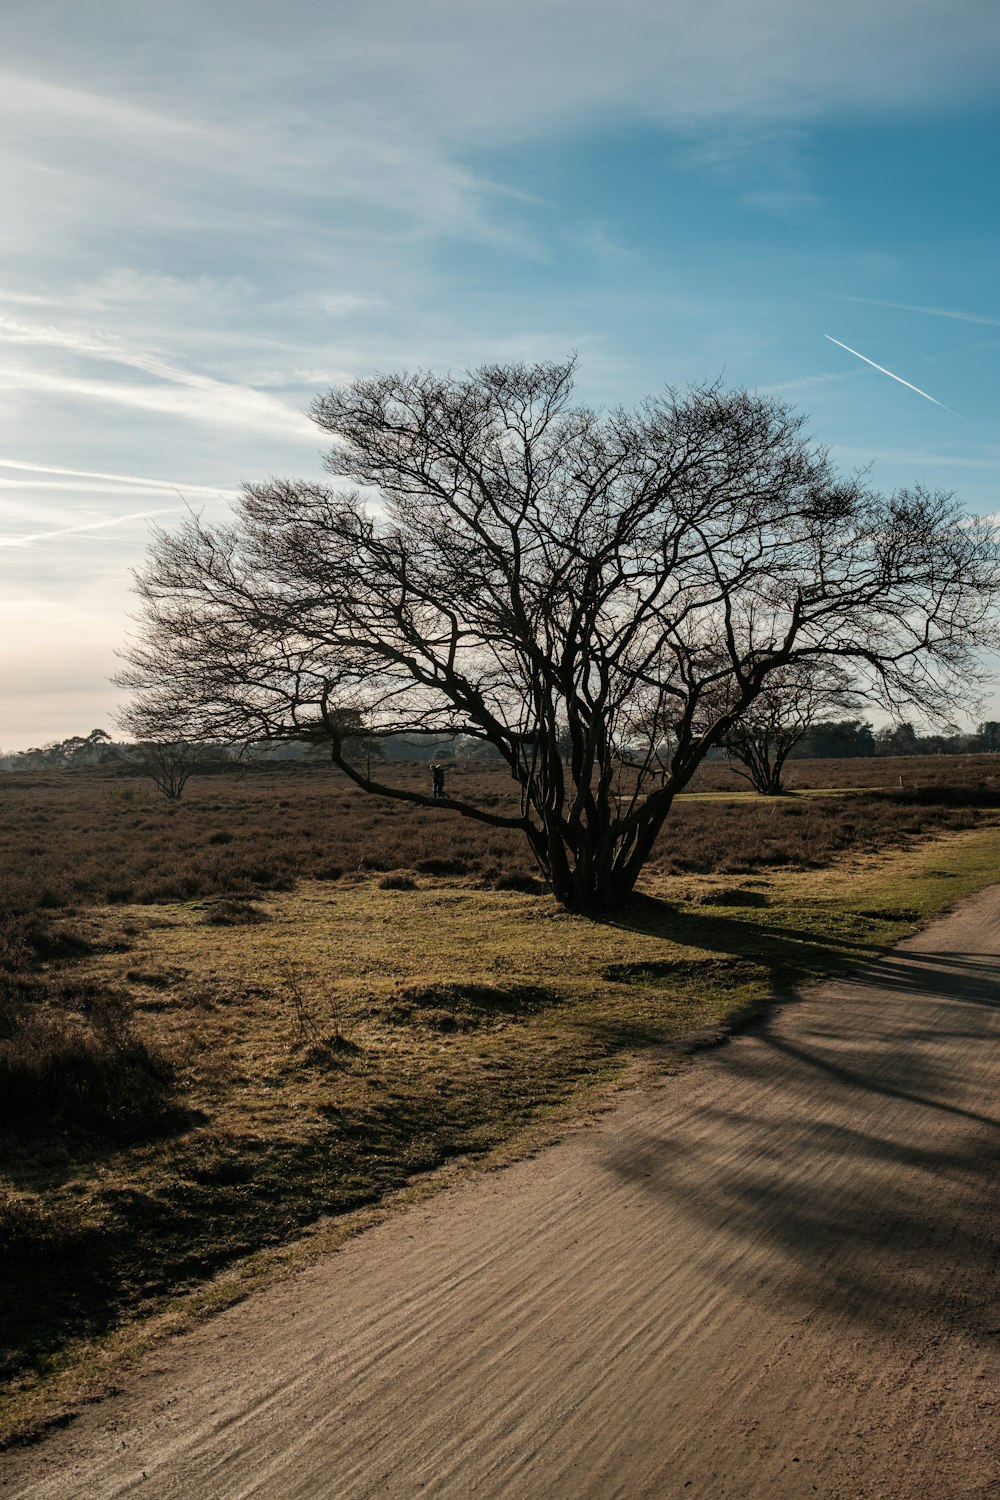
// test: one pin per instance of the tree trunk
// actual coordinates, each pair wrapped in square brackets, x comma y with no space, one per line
[771,785]
[589,880]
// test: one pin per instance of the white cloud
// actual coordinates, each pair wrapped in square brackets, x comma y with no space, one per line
[920,458]
[54,103]
[803,383]
[378,105]
[211,402]
[124,287]
[341,303]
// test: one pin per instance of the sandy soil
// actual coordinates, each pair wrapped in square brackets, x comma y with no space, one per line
[777,1275]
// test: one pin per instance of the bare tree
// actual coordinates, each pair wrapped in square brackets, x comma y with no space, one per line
[537,575]
[169,763]
[172,763]
[791,701]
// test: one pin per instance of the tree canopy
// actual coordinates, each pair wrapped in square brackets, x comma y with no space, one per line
[597,595]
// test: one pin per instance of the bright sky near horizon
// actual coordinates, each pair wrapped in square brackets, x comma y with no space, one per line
[214,210]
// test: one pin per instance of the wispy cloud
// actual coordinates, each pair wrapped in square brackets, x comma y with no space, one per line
[919,458]
[180,392]
[883,371]
[211,403]
[932,312]
[81,108]
[802,383]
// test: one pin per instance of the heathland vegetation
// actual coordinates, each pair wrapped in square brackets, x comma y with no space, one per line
[224,1020]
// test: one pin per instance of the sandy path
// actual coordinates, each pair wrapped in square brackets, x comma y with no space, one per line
[776,1275]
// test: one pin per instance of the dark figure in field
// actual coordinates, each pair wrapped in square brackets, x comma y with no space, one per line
[437,780]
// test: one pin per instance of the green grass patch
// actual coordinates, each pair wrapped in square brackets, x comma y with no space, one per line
[362,1034]
[747,794]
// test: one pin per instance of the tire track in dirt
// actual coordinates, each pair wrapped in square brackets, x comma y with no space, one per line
[776,1274]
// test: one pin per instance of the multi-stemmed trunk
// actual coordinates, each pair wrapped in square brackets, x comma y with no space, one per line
[594,868]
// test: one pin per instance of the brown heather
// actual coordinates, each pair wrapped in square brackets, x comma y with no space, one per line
[77,838]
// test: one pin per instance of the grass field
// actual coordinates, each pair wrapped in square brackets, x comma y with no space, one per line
[210,1041]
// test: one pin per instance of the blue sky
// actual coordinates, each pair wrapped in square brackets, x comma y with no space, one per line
[214,210]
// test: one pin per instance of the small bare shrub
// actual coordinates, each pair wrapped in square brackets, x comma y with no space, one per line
[314,1045]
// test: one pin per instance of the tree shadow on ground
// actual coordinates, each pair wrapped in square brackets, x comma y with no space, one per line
[788,953]
[851,1147]
[795,955]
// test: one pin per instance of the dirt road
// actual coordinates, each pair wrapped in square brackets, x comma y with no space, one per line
[775,1275]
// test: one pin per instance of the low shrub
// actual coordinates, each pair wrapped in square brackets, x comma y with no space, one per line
[437,865]
[730,896]
[462,1006]
[527,884]
[85,1071]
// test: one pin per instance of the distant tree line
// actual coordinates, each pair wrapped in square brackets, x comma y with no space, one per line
[836,739]
[93,749]
[828,739]
[206,758]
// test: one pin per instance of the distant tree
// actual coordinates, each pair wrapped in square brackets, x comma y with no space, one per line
[537,575]
[897,739]
[364,748]
[95,748]
[989,736]
[781,715]
[168,763]
[832,739]
[480,751]
[946,744]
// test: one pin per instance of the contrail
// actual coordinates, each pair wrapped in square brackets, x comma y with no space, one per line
[882,370]
[42,536]
[934,312]
[178,487]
